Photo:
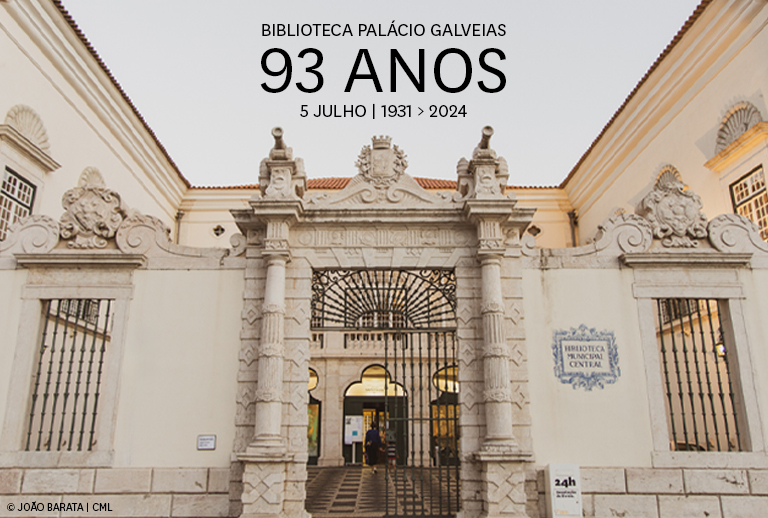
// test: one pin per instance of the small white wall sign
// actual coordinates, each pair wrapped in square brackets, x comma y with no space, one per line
[206,442]
[353,429]
[563,485]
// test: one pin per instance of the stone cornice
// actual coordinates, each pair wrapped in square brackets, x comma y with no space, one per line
[56,39]
[81,260]
[283,210]
[489,210]
[686,259]
[757,136]
[504,456]
[23,145]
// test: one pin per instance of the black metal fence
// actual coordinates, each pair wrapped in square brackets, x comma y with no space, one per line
[65,392]
[701,396]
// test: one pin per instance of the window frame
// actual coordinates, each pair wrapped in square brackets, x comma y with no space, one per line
[735,205]
[8,171]
[717,283]
[12,438]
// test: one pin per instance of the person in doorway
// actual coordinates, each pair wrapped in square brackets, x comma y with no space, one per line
[392,454]
[373,445]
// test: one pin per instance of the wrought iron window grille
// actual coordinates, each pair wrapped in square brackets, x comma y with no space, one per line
[66,387]
[701,398]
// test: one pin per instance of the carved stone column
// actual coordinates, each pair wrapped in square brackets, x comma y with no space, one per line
[501,460]
[265,460]
[497,394]
[269,464]
[271,351]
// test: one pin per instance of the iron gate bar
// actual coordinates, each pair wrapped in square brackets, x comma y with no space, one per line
[694,350]
[709,393]
[730,389]
[58,377]
[416,310]
[98,379]
[689,384]
[418,489]
[69,377]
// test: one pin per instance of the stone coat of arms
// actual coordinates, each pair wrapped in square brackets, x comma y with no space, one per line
[381,165]
[674,212]
[93,212]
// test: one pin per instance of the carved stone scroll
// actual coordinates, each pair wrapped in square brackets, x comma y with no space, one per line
[735,233]
[34,234]
[629,232]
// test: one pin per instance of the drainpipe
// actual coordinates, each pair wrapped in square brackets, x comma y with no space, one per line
[573,219]
[179,215]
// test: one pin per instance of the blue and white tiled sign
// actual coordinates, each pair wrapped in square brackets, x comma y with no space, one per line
[586,358]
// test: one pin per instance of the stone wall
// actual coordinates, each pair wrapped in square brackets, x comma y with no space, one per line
[148,492]
[663,493]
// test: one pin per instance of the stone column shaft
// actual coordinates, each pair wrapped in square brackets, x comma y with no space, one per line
[498,411]
[271,352]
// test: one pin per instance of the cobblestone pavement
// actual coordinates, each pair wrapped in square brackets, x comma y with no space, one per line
[357,492]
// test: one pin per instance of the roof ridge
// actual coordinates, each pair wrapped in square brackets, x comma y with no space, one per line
[671,45]
[81,36]
[339,182]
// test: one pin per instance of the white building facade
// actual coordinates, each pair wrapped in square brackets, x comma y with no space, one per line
[182,351]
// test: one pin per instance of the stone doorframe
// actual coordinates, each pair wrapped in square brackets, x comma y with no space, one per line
[383,219]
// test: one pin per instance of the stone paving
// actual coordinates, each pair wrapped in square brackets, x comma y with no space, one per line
[358,492]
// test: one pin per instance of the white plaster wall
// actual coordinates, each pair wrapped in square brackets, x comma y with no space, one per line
[11,282]
[78,136]
[602,427]
[179,374]
[686,139]
[756,313]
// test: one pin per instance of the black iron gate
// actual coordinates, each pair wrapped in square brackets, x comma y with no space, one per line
[423,473]
[413,315]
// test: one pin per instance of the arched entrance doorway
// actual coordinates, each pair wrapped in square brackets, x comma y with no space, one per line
[404,323]
[314,414]
[375,399]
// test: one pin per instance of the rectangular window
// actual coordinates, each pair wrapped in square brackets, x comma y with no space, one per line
[700,391]
[17,196]
[750,199]
[66,387]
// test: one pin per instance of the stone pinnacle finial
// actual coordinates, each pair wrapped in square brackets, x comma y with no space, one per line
[483,149]
[485,141]
[280,151]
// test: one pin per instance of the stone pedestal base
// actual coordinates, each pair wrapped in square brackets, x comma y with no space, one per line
[267,490]
[503,475]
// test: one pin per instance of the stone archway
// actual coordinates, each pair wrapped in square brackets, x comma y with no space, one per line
[383,221]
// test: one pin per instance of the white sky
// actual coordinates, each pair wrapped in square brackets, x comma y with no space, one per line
[193,70]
